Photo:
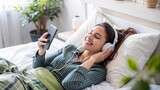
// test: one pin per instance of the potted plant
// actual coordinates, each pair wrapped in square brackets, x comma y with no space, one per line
[39,12]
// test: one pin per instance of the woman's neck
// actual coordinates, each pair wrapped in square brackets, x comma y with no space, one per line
[84,56]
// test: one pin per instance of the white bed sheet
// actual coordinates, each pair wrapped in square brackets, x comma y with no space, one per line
[21,55]
[106,86]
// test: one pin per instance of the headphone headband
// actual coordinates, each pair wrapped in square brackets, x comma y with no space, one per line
[115,38]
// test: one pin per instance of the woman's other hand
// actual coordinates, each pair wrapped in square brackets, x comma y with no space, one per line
[99,57]
[96,58]
[41,43]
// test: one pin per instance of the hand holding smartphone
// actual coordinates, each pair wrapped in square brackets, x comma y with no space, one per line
[52,30]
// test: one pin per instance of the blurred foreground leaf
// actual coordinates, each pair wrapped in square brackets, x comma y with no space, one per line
[125,79]
[154,64]
[141,85]
[132,64]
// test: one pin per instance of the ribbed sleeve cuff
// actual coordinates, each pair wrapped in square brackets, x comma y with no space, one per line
[38,60]
[39,57]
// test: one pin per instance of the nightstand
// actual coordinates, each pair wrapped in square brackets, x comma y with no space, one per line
[65,35]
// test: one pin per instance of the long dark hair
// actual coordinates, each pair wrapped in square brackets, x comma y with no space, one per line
[109,31]
[122,35]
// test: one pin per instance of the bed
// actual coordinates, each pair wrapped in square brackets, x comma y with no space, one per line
[148,36]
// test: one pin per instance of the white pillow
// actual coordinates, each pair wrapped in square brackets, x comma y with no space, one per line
[138,46]
[95,18]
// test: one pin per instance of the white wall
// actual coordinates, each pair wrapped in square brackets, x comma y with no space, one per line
[70,8]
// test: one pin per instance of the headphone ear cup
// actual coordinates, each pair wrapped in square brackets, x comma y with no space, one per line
[109,46]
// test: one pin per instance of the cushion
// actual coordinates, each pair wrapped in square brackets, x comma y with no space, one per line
[95,18]
[139,47]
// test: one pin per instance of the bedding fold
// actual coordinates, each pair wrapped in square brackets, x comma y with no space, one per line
[48,80]
[13,79]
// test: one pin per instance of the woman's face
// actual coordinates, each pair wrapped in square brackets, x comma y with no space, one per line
[94,40]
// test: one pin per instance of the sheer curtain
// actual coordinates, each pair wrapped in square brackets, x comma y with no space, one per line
[11,32]
[4,33]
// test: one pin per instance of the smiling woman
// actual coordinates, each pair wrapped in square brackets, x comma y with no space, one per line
[86,62]
[70,68]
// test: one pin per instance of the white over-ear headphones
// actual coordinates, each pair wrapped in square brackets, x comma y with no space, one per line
[110,45]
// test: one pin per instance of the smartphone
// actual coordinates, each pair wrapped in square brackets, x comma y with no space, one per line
[52,30]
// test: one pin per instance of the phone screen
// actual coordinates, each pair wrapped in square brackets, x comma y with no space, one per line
[52,30]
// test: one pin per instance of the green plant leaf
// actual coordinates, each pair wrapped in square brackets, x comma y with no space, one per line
[125,79]
[154,64]
[132,64]
[141,85]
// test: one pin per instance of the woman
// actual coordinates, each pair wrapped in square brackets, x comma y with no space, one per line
[76,70]
[69,68]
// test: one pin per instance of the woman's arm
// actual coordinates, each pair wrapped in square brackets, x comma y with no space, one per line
[86,74]
[81,78]
[41,44]
[48,57]
[96,58]
[45,59]
[42,57]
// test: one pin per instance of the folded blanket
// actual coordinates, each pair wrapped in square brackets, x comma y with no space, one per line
[6,66]
[12,79]
[48,80]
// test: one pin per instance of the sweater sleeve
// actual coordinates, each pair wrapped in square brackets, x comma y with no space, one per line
[49,56]
[81,78]
[41,61]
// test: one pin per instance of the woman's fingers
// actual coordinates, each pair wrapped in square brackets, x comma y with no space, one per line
[102,55]
[107,52]
[44,35]
[41,43]
[42,40]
